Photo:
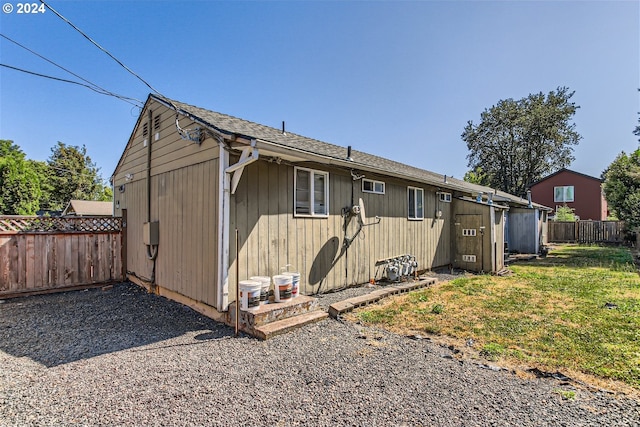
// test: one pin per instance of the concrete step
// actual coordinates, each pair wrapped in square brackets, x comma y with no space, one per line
[274,311]
[278,327]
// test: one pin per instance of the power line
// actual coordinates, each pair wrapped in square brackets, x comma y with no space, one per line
[94,86]
[100,47]
[64,81]
[184,133]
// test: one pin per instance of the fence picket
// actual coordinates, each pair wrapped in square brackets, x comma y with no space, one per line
[41,254]
[586,231]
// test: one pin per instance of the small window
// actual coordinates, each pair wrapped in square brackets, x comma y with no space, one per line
[469,232]
[416,203]
[371,186]
[445,197]
[563,194]
[311,192]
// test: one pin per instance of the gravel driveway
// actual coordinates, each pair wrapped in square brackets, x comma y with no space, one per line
[123,357]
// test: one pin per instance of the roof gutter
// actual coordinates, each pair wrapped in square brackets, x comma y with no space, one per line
[350,164]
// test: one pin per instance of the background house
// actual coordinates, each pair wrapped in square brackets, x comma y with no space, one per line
[189,177]
[581,192]
[88,208]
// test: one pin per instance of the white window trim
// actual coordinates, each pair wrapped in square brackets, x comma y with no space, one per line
[374,182]
[445,197]
[312,214]
[563,194]
[417,218]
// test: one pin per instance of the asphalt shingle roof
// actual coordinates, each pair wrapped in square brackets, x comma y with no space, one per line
[234,125]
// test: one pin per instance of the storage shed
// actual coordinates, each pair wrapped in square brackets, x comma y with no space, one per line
[189,177]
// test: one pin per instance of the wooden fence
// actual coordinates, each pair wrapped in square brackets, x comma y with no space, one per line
[47,254]
[586,232]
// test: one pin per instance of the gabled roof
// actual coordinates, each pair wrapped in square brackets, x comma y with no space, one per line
[566,170]
[88,208]
[233,126]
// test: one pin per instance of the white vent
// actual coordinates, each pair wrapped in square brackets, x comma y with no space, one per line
[469,232]
[469,258]
[156,127]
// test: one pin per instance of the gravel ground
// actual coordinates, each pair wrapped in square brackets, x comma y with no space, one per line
[123,357]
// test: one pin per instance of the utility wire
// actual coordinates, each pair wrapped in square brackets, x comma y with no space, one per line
[184,133]
[94,86]
[100,47]
[64,81]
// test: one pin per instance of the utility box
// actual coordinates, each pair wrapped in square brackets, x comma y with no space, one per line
[150,233]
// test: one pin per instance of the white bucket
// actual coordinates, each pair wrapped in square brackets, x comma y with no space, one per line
[295,283]
[282,287]
[265,282]
[249,294]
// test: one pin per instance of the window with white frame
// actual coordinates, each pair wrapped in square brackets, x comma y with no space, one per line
[371,186]
[445,197]
[311,192]
[416,203]
[563,194]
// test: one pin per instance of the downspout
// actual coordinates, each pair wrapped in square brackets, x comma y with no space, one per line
[224,191]
[152,251]
[228,178]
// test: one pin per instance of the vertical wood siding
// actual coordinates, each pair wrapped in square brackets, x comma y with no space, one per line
[489,253]
[185,204]
[271,237]
[184,201]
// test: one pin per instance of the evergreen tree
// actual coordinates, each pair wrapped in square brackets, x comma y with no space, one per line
[73,176]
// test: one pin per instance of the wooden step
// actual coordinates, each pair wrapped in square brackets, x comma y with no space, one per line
[340,307]
[278,327]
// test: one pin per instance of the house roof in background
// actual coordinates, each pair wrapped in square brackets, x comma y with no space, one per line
[566,170]
[88,208]
[230,125]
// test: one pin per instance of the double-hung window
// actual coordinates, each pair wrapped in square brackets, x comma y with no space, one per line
[416,203]
[563,194]
[311,192]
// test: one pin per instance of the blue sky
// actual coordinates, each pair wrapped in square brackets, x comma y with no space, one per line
[399,79]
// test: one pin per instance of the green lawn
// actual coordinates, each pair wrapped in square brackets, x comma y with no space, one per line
[578,310]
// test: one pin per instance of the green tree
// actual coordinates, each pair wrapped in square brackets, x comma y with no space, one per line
[73,175]
[519,142]
[622,187]
[476,176]
[565,213]
[20,181]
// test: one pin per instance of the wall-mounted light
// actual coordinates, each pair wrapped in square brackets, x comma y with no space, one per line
[128,177]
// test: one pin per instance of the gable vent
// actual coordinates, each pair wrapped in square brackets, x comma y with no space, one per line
[145,129]
[156,122]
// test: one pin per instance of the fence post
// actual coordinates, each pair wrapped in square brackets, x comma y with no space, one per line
[123,244]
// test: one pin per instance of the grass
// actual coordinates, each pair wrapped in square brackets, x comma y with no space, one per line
[566,394]
[577,310]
